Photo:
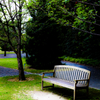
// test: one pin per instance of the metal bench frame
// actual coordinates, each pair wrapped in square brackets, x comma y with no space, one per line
[70,77]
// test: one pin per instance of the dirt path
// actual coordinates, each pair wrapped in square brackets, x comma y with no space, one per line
[42,95]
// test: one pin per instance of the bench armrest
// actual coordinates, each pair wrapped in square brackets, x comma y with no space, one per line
[76,81]
[82,80]
[47,73]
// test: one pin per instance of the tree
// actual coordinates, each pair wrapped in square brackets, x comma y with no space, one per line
[68,9]
[11,20]
[45,39]
[71,9]
[83,20]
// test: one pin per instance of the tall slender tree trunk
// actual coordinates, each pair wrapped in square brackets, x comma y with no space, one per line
[20,66]
[5,53]
[19,59]
[5,49]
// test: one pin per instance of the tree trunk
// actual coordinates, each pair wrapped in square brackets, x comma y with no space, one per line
[26,55]
[20,66]
[5,49]
[5,53]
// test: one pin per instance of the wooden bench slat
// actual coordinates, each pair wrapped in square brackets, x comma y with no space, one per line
[60,82]
[63,83]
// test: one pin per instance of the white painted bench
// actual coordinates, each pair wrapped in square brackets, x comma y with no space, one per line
[70,77]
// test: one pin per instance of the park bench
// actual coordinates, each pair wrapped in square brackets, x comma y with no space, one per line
[69,77]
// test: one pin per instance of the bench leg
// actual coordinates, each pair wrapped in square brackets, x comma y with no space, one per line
[87,91]
[42,85]
[74,94]
[53,85]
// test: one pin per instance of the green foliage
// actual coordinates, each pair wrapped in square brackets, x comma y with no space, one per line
[66,1]
[45,39]
[66,13]
[6,47]
[85,14]
[82,45]
[82,16]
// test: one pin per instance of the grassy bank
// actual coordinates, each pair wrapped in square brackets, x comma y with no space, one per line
[91,62]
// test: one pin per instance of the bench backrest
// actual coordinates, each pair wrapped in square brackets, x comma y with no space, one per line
[71,73]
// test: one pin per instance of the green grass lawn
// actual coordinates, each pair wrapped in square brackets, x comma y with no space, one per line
[8,52]
[12,63]
[12,89]
[9,63]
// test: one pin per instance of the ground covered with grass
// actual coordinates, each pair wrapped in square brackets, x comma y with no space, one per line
[12,63]
[13,89]
[8,52]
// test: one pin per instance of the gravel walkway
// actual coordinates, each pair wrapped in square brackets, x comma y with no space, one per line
[10,72]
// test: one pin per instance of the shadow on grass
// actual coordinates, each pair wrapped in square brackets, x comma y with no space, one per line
[80,94]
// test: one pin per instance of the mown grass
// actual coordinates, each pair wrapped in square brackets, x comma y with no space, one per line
[8,52]
[21,90]
[9,63]
[12,89]
[16,90]
[91,62]
[12,63]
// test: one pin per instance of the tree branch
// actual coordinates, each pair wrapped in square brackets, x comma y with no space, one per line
[66,23]
[3,12]
[3,41]
[76,16]
[80,29]
[15,3]
[86,3]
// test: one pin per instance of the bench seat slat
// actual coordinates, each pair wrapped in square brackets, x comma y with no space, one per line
[59,82]
[63,83]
